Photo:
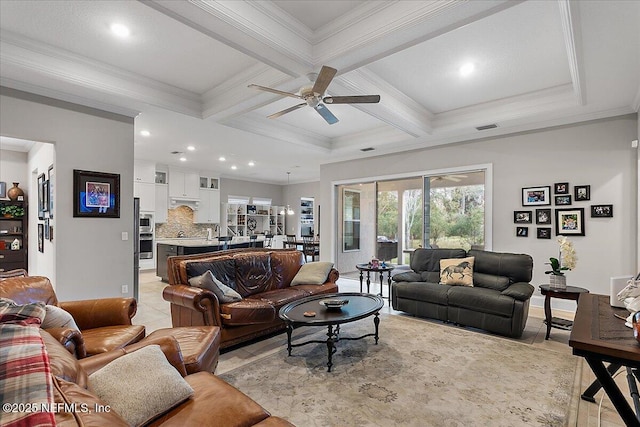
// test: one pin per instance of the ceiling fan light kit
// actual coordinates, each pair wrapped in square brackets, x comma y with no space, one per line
[314,96]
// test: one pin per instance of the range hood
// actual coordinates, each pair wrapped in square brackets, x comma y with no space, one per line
[174,202]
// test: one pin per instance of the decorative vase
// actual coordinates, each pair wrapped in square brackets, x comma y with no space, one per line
[557,282]
[15,192]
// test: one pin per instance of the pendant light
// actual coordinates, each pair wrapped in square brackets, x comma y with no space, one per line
[289,211]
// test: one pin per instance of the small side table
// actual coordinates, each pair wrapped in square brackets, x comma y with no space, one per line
[368,268]
[571,293]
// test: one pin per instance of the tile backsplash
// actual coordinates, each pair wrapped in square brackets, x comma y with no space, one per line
[181,219]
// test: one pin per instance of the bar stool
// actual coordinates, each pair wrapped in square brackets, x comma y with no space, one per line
[223,242]
[253,239]
[268,240]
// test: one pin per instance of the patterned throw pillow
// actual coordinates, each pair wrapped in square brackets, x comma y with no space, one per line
[457,271]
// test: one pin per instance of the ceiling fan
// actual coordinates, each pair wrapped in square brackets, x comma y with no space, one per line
[454,178]
[313,96]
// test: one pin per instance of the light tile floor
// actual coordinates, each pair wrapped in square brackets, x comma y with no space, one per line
[154,313]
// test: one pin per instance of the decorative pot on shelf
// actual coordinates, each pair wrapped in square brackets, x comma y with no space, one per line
[557,282]
[15,192]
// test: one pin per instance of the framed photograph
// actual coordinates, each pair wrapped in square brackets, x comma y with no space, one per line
[544,232]
[543,216]
[563,200]
[3,190]
[96,194]
[561,188]
[51,179]
[601,211]
[40,237]
[570,222]
[51,233]
[536,196]
[581,193]
[522,217]
[522,231]
[41,208]
[46,229]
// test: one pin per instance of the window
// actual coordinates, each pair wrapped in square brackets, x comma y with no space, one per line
[351,220]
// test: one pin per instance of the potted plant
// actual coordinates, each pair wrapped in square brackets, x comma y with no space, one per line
[565,262]
[12,211]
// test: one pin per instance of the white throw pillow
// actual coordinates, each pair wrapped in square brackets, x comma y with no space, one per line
[56,317]
[208,281]
[312,273]
[140,386]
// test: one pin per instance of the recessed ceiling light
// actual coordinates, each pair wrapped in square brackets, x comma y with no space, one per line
[234,167]
[222,158]
[467,69]
[183,159]
[120,30]
[191,148]
[252,163]
[145,133]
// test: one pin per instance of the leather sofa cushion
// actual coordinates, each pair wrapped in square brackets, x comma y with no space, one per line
[284,266]
[482,300]
[424,259]
[26,290]
[430,276]
[223,269]
[253,272]
[422,291]
[249,311]
[325,288]
[280,297]
[516,267]
[111,337]
[491,281]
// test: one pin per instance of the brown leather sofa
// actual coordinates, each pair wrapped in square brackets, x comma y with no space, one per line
[214,402]
[105,324]
[261,275]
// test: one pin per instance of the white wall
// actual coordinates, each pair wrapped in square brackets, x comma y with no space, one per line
[292,195]
[41,156]
[92,261]
[596,153]
[236,187]
[13,168]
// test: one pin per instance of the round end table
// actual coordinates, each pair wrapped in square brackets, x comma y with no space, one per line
[570,293]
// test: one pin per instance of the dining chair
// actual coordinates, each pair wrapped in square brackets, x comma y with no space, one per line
[291,243]
[310,247]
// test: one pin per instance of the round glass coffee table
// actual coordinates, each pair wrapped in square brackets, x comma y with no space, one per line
[359,306]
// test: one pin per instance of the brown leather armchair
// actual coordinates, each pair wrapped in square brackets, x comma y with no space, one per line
[105,324]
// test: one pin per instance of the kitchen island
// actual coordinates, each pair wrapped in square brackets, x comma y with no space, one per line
[188,246]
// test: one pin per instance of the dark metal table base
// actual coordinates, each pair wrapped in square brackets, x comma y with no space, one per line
[333,336]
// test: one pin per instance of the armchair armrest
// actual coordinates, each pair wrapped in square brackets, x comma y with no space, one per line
[96,313]
[71,339]
[334,275]
[519,290]
[169,346]
[194,298]
[408,276]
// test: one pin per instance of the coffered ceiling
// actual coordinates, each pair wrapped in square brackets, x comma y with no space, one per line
[186,65]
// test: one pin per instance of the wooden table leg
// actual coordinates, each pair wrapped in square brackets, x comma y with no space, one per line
[547,314]
[361,278]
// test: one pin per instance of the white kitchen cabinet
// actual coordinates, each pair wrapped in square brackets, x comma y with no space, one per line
[162,203]
[245,220]
[144,171]
[209,209]
[146,192]
[183,184]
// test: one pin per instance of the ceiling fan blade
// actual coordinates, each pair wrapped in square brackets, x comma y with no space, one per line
[356,99]
[326,114]
[276,91]
[288,110]
[324,79]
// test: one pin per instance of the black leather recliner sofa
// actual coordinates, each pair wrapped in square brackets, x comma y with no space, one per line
[498,301]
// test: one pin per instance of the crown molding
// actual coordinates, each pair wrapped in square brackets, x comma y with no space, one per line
[20,55]
[570,17]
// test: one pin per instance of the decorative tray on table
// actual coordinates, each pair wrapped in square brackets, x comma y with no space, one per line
[334,303]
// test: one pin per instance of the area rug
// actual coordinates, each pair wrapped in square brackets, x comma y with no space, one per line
[420,374]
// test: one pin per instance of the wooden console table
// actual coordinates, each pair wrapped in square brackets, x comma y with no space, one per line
[599,337]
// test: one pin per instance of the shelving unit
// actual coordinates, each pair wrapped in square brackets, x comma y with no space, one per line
[12,228]
[244,220]
[307,226]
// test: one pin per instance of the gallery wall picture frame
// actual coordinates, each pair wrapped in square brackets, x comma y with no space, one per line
[561,188]
[41,209]
[536,196]
[543,216]
[543,232]
[96,194]
[563,200]
[46,229]
[522,231]
[3,190]
[52,183]
[601,211]
[522,217]
[581,193]
[40,237]
[570,222]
